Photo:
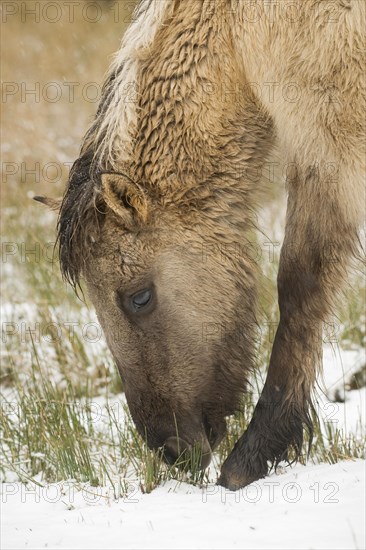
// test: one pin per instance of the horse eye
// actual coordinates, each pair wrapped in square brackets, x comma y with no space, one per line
[141,299]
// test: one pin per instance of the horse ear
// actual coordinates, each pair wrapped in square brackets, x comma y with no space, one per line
[53,204]
[125,198]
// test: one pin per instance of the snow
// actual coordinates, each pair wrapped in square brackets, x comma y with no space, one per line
[338,367]
[313,506]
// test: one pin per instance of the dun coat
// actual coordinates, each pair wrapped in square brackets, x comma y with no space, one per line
[198,97]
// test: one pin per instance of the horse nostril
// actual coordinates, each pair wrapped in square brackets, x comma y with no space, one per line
[178,451]
[169,457]
[205,461]
[173,449]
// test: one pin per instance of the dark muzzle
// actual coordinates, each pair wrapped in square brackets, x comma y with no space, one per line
[178,452]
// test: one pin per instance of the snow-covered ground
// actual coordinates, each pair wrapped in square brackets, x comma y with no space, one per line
[307,507]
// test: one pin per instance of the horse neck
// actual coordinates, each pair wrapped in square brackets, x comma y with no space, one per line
[193,101]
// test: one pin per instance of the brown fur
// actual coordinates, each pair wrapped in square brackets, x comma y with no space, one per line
[202,135]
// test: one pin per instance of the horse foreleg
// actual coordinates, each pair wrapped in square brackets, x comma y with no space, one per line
[321,235]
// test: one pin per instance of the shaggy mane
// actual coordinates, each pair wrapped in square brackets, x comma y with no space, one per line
[107,143]
[79,213]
